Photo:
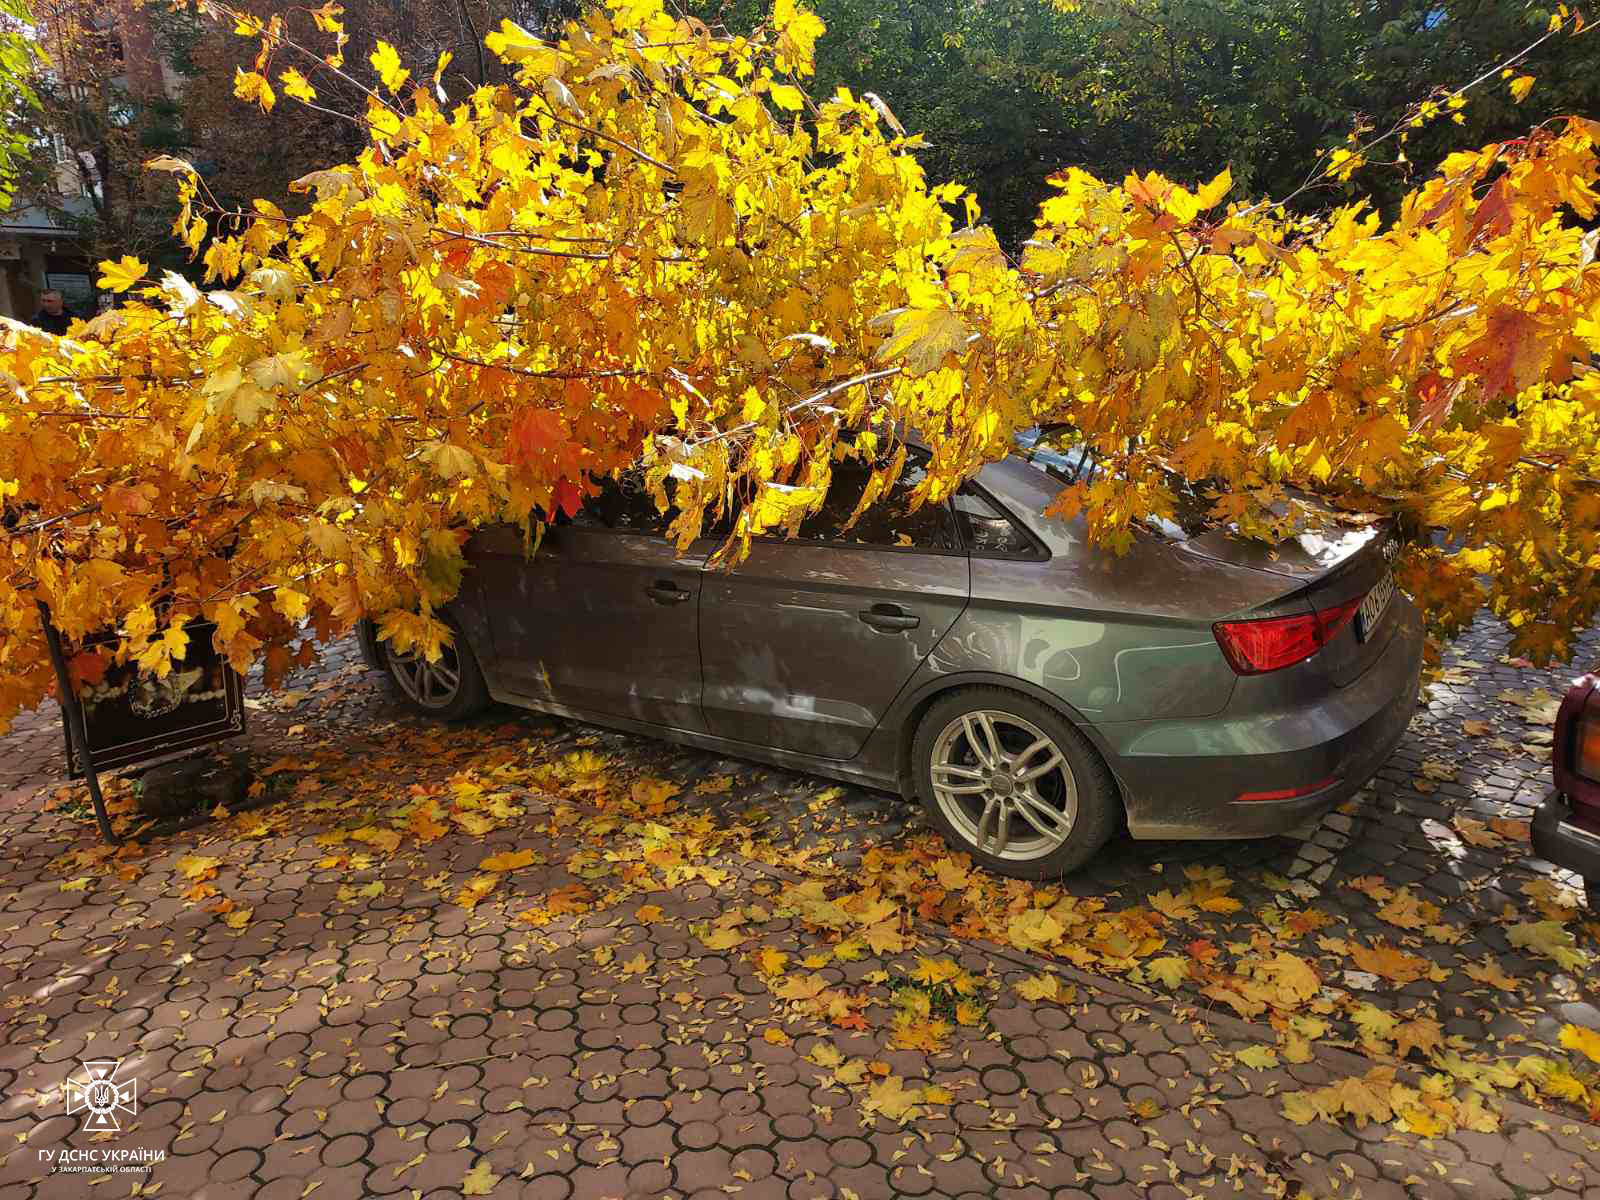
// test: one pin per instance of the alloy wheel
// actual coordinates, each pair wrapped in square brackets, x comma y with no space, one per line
[1004,784]
[427,684]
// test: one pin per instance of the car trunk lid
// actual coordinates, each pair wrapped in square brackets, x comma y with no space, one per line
[1344,559]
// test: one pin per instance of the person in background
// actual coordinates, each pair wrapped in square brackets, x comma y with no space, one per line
[52,316]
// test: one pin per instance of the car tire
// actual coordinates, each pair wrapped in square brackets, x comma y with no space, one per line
[1055,794]
[452,689]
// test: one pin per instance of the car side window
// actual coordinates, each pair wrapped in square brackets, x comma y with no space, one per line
[987,530]
[889,522]
[623,506]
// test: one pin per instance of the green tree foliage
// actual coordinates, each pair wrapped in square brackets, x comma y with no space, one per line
[1009,90]
[18,63]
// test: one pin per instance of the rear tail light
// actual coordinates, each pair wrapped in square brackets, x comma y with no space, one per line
[1255,647]
[1586,753]
[1577,743]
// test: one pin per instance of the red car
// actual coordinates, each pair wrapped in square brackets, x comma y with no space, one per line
[1566,829]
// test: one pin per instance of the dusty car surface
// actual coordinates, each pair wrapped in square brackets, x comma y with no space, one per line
[1036,693]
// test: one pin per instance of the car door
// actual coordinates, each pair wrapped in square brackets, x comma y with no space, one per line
[603,618]
[806,643]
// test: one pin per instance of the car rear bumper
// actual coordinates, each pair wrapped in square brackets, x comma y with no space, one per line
[1558,840]
[1185,779]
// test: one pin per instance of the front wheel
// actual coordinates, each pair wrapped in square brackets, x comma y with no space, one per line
[451,689]
[1012,783]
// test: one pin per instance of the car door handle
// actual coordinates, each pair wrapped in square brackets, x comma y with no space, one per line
[889,616]
[663,592]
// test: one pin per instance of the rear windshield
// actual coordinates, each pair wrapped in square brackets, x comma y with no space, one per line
[1063,455]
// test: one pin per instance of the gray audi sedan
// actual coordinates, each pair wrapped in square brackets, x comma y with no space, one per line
[1035,693]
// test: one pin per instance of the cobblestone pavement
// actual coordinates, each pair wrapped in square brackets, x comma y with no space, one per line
[307,1015]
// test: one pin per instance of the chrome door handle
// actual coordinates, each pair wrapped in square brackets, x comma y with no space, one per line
[663,592]
[889,617]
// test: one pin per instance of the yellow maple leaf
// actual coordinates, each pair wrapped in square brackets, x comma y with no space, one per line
[927,1035]
[889,1097]
[253,86]
[885,937]
[923,337]
[121,274]
[952,876]
[1424,1034]
[1389,962]
[1575,1037]
[474,890]
[296,86]
[934,971]
[386,840]
[1034,929]
[653,792]
[386,61]
[1179,906]
[1169,970]
[1303,1107]
[1293,979]
[1521,86]
[1039,987]
[723,939]
[425,825]
[1365,1099]
[826,1054]
[479,1181]
[771,961]
[1406,910]
[509,860]
[1551,939]
[196,866]
[801,987]
[1259,1058]
[970,1013]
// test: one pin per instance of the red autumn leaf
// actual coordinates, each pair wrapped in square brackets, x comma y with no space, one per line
[135,501]
[568,497]
[642,402]
[89,667]
[1494,212]
[536,434]
[1435,397]
[1508,355]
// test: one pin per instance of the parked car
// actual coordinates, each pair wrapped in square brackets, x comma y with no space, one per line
[1566,829]
[1035,692]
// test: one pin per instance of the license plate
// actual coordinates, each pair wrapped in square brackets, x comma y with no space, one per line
[1373,606]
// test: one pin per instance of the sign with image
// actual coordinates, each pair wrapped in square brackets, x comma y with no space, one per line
[77,291]
[130,715]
